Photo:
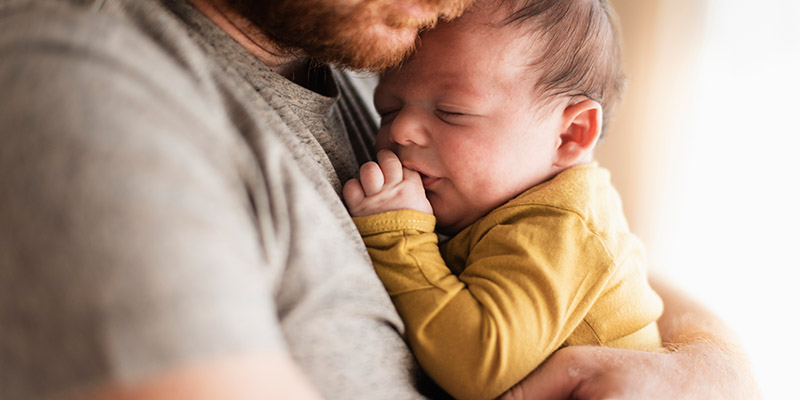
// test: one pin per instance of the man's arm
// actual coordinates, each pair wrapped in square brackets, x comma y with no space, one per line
[267,376]
[704,361]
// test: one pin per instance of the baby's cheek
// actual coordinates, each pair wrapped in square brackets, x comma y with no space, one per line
[382,141]
[450,210]
[439,205]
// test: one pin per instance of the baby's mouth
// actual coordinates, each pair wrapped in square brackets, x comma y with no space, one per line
[428,181]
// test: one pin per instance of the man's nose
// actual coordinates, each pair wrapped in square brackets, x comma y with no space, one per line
[409,129]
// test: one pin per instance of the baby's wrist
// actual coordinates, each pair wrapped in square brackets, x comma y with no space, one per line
[395,221]
[368,211]
[376,205]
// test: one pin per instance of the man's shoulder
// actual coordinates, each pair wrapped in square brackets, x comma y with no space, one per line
[115,33]
[104,54]
[93,15]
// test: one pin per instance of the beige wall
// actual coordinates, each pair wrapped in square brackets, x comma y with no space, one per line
[660,40]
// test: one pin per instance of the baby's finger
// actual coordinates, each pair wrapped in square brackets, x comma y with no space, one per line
[371,178]
[411,175]
[391,167]
[353,193]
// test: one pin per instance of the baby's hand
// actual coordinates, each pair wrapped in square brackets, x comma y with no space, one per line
[385,186]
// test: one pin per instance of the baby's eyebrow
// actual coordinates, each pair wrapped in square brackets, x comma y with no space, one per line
[463,99]
[463,88]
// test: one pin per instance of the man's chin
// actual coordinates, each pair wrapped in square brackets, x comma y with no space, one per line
[386,49]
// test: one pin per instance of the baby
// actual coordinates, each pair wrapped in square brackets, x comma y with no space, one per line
[491,128]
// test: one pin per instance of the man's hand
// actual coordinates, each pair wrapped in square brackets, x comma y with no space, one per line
[599,373]
[704,362]
[385,186]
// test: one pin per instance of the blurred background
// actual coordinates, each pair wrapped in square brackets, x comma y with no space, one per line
[704,152]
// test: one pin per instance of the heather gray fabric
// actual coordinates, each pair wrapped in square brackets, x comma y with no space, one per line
[165,199]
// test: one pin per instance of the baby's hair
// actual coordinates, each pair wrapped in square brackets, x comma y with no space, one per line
[578,49]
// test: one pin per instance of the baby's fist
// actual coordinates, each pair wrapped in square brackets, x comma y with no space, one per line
[385,186]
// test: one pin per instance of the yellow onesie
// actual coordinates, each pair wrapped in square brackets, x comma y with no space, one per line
[555,266]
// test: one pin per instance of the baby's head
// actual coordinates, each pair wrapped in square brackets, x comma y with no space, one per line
[500,100]
[574,48]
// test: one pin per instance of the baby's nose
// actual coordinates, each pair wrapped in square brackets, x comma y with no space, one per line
[409,129]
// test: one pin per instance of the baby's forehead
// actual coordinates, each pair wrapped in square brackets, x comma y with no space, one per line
[479,46]
[499,25]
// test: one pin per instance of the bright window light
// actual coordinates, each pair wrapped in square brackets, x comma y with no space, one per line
[734,236]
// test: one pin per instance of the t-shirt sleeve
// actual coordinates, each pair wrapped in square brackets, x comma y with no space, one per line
[128,240]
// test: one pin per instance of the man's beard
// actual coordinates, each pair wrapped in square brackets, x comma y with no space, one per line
[352,36]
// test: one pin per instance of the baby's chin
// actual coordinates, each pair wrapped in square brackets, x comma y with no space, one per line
[449,221]
[449,225]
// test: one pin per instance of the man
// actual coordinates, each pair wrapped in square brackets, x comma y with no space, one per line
[170,225]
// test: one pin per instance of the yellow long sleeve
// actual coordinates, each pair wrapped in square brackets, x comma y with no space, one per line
[532,278]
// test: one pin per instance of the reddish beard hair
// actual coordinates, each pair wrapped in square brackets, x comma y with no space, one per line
[330,32]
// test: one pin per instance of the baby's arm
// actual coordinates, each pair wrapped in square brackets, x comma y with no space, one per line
[385,186]
[480,333]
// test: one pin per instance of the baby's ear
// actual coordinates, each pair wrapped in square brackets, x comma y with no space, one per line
[580,129]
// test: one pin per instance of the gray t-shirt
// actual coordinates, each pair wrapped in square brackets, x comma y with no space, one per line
[166,199]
